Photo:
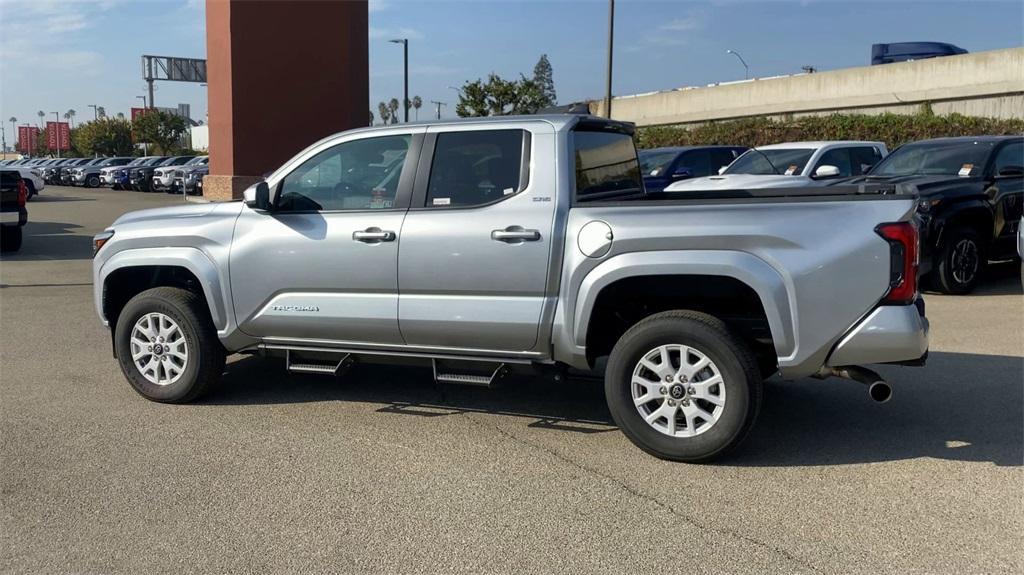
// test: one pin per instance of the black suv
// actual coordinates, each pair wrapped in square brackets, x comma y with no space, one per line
[13,214]
[971,192]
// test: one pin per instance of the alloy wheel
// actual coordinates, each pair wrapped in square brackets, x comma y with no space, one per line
[678,390]
[158,347]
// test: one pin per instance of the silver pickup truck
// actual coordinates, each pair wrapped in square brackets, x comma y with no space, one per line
[488,245]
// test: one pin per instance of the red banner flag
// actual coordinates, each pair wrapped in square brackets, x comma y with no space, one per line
[58,136]
[27,139]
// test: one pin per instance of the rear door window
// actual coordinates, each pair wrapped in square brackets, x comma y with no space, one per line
[606,165]
[475,168]
[696,162]
[862,158]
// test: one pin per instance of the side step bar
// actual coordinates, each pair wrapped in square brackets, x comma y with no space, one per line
[296,364]
[476,373]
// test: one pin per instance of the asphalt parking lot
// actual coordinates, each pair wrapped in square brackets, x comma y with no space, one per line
[383,472]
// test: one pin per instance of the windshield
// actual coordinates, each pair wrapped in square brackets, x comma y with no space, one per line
[197,160]
[654,162]
[775,162]
[936,158]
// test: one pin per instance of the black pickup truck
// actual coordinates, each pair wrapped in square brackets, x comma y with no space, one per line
[13,214]
[971,191]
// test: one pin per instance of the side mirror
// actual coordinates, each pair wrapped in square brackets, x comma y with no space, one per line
[826,171]
[257,196]
[1010,171]
[682,174]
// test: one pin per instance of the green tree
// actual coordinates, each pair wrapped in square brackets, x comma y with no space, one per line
[500,97]
[543,76]
[417,103]
[104,137]
[393,107]
[161,129]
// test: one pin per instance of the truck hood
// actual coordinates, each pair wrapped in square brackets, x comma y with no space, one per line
[171,213]
[738,182]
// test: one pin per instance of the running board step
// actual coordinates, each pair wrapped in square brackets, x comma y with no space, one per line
[464,372]
[331,366]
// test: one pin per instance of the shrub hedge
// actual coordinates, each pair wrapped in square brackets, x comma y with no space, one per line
[893,129]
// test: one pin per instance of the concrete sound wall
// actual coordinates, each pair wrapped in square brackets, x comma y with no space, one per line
[979,84]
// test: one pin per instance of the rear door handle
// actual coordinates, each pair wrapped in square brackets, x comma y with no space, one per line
[515,234]
[373,235]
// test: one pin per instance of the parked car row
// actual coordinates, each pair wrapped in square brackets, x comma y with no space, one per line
[971,189]
[170,174]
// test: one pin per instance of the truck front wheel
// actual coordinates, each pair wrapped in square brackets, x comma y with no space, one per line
[167,345]
[961,259]
[682,387]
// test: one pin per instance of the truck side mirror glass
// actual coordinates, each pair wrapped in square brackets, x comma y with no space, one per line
[682,174]
[257,196]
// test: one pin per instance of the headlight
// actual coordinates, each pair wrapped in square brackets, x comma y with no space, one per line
[100,239]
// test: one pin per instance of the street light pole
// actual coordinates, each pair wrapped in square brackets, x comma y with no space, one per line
[56,137]
[405,56]
[611,38]
[95,111]
[746,69]
[145,145]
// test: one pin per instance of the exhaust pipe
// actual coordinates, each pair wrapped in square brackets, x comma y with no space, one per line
[878,389]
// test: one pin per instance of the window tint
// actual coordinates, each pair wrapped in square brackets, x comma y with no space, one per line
[697,162]
[863,158]
[1012,154]
[475,168]
[721,157]
[773,161]
[356,175]
[606,165]
[838,157]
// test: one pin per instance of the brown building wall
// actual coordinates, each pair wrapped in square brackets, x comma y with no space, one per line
[281,75]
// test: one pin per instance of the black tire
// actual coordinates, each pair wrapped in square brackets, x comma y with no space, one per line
[10,238]
[31,189]
[206,354]
[961,250]
[734,360]
[115,186]
[93,181]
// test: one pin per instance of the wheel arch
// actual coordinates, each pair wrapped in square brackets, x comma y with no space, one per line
[705,278]
[130,272]
[974,214]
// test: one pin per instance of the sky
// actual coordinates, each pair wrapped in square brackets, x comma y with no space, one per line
[57,55]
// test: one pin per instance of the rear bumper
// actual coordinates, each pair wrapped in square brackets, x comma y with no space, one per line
[889,334]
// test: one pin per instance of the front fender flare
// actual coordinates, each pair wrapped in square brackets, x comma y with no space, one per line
[192,259]
[766,282]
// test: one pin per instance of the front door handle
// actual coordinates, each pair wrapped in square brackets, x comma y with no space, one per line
[515,234]
[373,235]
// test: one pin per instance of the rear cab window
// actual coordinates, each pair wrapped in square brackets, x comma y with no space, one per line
[606,163]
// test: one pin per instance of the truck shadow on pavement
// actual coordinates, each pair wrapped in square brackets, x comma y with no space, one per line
[52,241]
[962,407]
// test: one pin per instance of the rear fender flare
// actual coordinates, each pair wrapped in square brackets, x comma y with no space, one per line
[767,283]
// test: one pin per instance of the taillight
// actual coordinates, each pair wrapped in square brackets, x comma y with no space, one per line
[902,238]
[22,193]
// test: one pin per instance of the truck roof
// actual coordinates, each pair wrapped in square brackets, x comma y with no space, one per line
[558,121]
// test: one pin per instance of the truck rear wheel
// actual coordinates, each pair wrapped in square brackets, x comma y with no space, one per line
[682,387]
[167,345]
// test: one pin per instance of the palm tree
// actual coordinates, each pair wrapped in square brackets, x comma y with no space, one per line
[385,112]
[417,102]
[101,112]
[371,117]
[120,115]
[393,106]
[14,128]
[41,115]
[70,117]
